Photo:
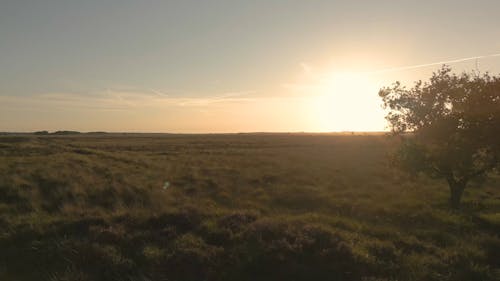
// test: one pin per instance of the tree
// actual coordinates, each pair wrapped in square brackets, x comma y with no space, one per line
[449,126]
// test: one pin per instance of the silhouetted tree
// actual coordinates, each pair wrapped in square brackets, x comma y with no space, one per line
[450,127]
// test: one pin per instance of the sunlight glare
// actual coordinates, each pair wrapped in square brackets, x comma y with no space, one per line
[347,101]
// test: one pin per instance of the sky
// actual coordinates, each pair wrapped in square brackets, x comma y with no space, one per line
[219,66]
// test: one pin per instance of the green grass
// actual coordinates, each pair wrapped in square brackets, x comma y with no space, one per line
[239,207]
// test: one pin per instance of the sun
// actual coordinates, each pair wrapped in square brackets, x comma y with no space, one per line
[347,101]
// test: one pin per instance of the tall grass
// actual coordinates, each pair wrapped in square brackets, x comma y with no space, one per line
[238,207]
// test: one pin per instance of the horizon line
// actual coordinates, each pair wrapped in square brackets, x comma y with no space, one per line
[75,132]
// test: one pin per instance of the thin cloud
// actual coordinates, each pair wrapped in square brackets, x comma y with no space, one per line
[233,94]
[316,78]
[306,67]
[114,100]
[226,97]
[408,67]
[159,93]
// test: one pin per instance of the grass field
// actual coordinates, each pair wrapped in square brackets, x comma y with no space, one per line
[234,207]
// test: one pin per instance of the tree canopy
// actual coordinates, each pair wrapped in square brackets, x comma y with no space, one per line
[450,126]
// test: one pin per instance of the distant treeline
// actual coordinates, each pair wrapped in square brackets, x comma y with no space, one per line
[61,133]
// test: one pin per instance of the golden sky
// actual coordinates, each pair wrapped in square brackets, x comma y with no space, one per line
[227,66]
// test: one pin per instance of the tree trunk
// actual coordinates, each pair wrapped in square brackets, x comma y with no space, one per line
[456,191]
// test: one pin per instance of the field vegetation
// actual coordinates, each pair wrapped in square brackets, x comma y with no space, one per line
[234,207]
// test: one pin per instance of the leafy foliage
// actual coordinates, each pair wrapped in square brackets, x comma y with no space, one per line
[450,126]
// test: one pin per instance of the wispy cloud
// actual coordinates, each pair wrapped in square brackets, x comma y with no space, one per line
[159,93]
[313,80]
[224,97]
[119,100]
[306,68]
[416,66]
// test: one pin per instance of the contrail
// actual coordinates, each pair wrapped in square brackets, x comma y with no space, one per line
[433,64]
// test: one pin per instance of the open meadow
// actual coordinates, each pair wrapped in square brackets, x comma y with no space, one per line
[234,207]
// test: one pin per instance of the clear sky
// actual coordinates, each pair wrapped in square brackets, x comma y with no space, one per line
[226,65]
